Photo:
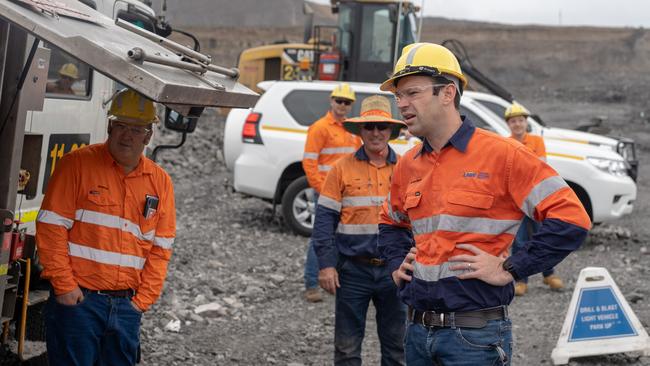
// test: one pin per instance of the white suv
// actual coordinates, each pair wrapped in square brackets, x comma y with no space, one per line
[263,147]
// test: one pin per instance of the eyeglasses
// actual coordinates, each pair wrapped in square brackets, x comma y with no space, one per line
[135,130]
[413,92]
[343,101]
[378,125]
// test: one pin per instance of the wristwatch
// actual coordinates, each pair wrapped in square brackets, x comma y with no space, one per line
[507,266]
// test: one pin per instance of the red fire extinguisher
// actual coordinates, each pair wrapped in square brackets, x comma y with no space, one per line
[329,65]
[17,242]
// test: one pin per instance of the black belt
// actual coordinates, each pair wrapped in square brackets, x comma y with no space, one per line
[112,293]
[377,262]
[466,319]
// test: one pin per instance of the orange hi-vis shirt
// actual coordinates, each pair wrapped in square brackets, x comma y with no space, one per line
[535,144]
[348,208]
[91,230]
[327,141]
[476,190]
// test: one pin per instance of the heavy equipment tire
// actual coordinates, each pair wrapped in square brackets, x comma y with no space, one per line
[298,210]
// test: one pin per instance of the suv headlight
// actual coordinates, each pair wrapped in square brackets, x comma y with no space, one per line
[614,167]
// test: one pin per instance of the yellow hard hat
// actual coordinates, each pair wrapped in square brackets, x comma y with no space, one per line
[69,70]
[344,91]
[131,107]
[516,110]
[425,58]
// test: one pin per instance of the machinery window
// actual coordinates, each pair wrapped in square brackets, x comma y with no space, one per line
[67,77]
[345,21]
[377,28]
[307,106]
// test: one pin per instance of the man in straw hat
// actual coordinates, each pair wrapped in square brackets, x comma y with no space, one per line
[104,235]
[460,197]
[345,238]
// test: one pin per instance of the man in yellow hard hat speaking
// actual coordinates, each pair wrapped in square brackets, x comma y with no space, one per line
[104,235]
[453,209]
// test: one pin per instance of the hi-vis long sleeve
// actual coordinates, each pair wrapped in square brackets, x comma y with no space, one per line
[476,191]
[348,208]
[92,232]
[327,141]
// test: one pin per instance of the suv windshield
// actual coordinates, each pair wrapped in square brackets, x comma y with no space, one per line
[307,106]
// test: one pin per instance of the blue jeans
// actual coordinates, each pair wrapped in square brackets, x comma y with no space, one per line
[490,345]
[99,331]
[360,284]
[311,262]
[522,237]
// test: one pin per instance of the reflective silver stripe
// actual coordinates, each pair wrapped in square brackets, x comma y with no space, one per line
[396,216]
[165,243]
[51,217]
[337,150]
[310,156]
[330,203]
[542,158]
[105,257]
[429,272]
[112,221]
[362,201]
[542,190]
[352,229]
[324,168]
[391,214]
[462,224]
[411,55]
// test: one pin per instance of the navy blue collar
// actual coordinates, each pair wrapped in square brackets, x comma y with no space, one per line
[390,159]
[459,140]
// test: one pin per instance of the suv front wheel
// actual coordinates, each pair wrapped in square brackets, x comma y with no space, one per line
[298,207]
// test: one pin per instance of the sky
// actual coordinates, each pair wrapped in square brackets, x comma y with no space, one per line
[605,13]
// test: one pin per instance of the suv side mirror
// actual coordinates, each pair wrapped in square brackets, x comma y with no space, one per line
[177,122]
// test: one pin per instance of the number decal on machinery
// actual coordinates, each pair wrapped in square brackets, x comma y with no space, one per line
[288,72]
[59,145]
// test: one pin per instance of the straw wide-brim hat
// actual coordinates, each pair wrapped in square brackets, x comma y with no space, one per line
[375,108]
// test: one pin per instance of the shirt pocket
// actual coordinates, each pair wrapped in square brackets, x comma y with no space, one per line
[356,187]
[148,225]
[462,201]
[101,200]
[413,198]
